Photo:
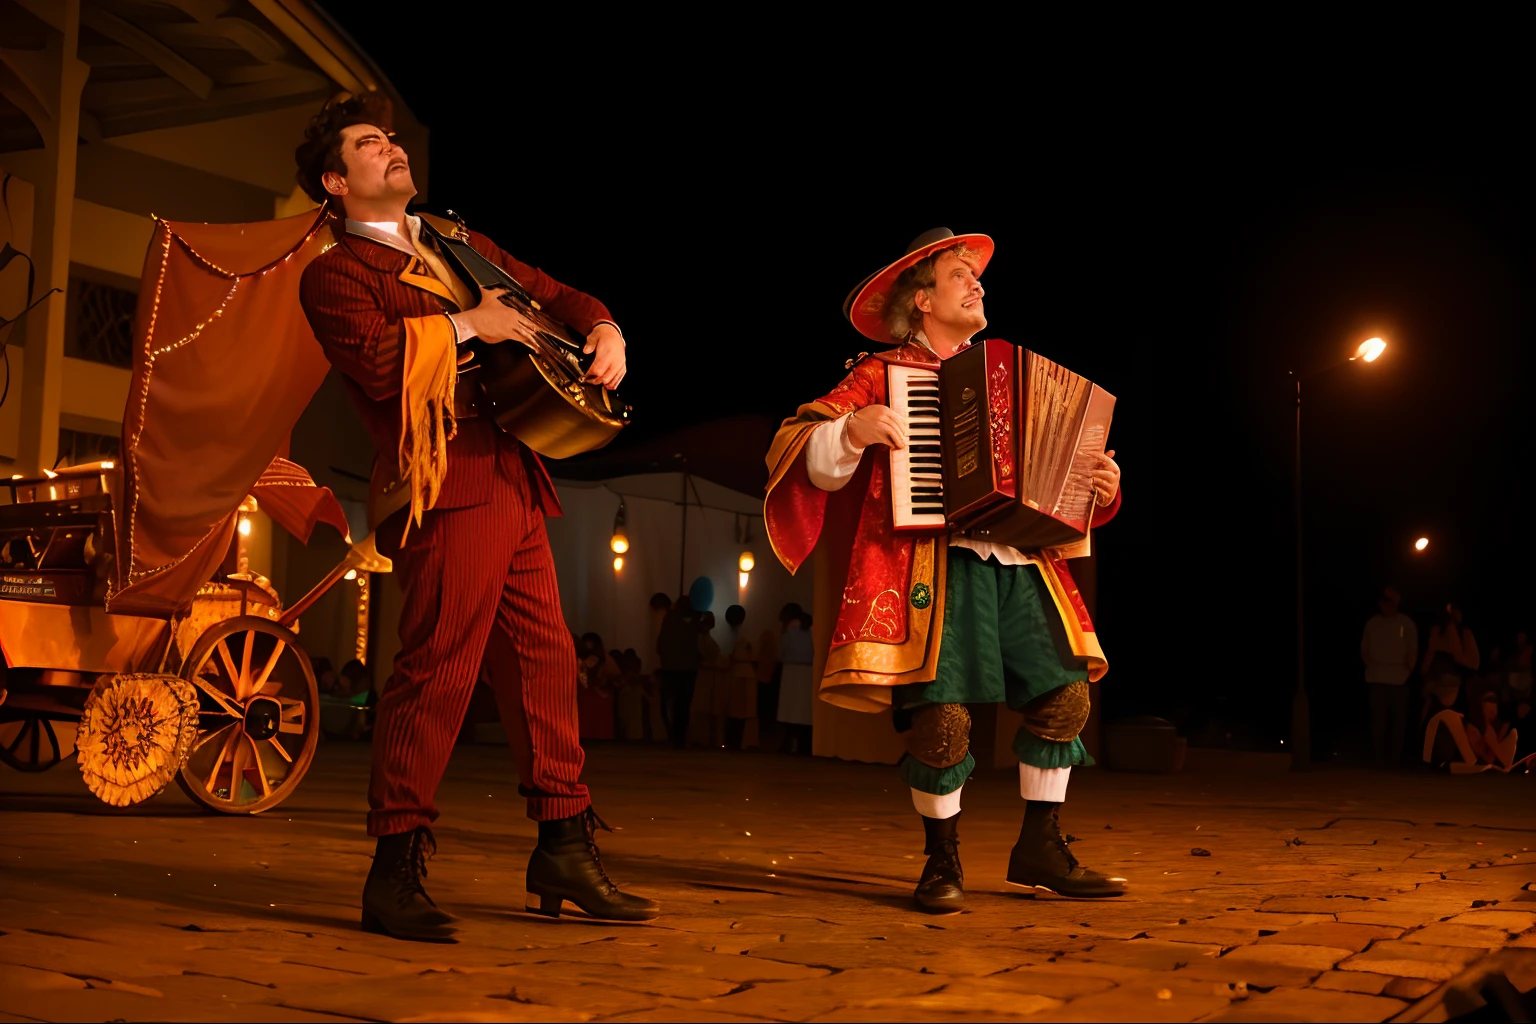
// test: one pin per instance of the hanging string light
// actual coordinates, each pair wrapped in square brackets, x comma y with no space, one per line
[620,541]
[363,595]
[747,561]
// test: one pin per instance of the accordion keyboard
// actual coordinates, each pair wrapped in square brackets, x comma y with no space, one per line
[917,471]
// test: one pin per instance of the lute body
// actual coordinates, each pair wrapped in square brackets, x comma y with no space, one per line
[539,396]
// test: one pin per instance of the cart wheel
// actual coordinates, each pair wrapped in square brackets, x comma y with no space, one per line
[30,741]
[260,716]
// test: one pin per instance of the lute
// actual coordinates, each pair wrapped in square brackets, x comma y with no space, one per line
[539,395]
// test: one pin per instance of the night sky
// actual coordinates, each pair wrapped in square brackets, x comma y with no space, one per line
[1184,259]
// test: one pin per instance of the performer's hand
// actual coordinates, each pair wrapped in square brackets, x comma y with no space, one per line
[1106,479]
[876,424]
[494,321]
[609,367]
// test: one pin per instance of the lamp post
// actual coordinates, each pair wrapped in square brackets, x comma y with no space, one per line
[1301,712]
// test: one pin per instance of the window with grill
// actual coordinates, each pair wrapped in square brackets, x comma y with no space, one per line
[100,326]
[77,447]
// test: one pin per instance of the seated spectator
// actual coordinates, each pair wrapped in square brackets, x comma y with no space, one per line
[326,679]
[1478,741]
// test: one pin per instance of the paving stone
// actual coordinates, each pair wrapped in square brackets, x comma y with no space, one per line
[1412,960]
[1144,999]
[1353,981]
[1310,1004]
[1313,958]
[1251,972]
[1410,988]
[1353,937]
[1446,934]
[1146,954]
[1509,920]
[1403,918]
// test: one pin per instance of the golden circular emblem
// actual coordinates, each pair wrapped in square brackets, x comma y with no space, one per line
[135,734]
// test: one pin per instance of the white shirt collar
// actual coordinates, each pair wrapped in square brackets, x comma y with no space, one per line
[922,339]
[387,232]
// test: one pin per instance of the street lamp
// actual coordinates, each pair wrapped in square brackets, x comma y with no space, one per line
[1420,544]
[1301,713]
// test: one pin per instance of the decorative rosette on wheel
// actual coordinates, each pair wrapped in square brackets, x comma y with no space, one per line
[135,734]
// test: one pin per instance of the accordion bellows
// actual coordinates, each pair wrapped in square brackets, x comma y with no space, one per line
[1018,436]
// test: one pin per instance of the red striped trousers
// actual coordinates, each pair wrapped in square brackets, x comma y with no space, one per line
[480,595]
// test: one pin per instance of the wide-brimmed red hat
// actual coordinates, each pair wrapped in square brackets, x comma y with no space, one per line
[865,305]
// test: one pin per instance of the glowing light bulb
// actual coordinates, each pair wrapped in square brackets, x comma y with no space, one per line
[351,574]
[1370,349]
[245,527]
[742,578]
[620,544]
[618,563]
[746,562]
[1421,544]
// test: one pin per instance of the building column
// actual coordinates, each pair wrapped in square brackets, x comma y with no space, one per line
[55,82]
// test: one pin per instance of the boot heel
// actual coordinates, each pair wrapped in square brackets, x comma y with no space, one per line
[373,924]
[546,903]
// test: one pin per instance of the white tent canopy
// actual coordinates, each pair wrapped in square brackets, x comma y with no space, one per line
[616,604]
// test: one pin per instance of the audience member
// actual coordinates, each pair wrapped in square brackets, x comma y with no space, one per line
[769,672]
[1448,658]
[797,689]
[740,704]
[1478,741]
[678,648]
[597,676]
[630,703]
[705,725]
[661,604]
[1389,647]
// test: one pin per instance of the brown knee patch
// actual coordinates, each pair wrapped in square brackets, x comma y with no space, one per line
[1058,716]
[940,735]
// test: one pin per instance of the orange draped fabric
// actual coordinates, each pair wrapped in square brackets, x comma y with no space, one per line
[224,362]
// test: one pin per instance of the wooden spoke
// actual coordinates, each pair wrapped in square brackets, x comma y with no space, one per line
[280,749]
[237,766]
[292,715]
[243,684]
[266,671]
[261,772]
[229,668]
[220,698]
[209,737]
[224,754]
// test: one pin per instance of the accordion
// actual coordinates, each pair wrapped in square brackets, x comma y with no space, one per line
[1000,445]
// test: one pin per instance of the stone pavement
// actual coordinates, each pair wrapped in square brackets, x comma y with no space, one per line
[1333,895]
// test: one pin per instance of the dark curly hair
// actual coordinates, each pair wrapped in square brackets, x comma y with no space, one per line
[321,150]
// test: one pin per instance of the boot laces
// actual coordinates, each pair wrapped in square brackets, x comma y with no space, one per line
[412,868]
[1055,838]
[590,823]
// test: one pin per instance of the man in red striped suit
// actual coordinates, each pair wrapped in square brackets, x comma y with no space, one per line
[459,506]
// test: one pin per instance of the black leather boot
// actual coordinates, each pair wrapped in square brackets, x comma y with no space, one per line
[1041,859]
[941,889]
[394,901]
[566,866]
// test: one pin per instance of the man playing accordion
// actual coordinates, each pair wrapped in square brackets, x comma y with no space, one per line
[933,620]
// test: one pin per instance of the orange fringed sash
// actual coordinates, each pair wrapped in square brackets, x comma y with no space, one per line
[426,411]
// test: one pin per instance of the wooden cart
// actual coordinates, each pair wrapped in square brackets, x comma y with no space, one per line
[220,696]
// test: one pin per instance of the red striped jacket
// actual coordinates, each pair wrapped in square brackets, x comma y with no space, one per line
[356,294]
